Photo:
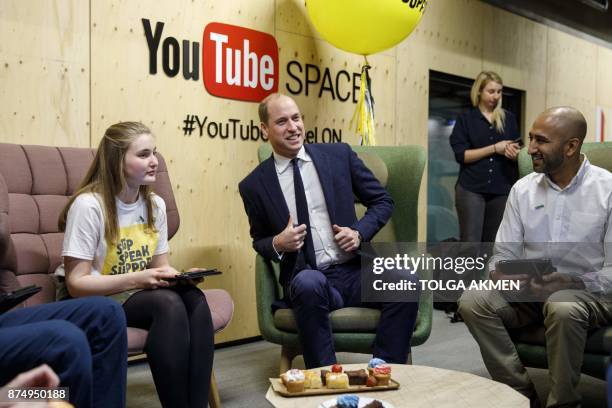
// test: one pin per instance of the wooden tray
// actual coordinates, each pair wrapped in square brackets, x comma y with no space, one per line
[279,387]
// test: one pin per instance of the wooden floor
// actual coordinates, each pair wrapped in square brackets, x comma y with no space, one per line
[243,371]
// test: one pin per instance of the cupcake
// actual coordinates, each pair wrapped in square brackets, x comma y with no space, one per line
[347,401]
[373,363]
[293,380]
[382,373]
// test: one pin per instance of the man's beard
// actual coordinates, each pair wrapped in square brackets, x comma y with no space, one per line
[551,162]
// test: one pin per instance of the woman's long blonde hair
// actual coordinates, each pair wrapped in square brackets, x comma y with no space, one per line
[106,177]
[499,115]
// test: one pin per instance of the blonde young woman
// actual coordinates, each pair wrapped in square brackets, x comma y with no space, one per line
[482,141]
[116,244]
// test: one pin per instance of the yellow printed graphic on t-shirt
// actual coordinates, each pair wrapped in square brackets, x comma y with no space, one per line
[132,252]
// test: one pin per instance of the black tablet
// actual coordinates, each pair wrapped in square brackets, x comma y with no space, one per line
[533,267]
[196,274]
[9,300]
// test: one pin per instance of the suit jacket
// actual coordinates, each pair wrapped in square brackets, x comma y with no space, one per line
[343,176]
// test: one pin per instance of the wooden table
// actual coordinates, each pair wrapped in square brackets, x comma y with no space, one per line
[425,387]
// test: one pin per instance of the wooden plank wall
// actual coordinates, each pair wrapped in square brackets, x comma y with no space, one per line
[69,69]
[44,72]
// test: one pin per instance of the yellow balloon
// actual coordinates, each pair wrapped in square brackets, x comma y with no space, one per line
[365,26]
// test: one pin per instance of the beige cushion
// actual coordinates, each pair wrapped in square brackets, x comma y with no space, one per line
[346,320]
[386,234]
[376,166]
[379,168]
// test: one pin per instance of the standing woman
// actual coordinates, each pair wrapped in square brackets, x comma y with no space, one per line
[116,244]
[482,142]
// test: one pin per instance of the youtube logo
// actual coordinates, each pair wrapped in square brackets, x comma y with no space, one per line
[239,63]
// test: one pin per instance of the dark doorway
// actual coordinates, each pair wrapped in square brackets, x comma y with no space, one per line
[449,96]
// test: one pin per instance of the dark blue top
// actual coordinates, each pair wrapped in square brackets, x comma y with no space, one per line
[494,174]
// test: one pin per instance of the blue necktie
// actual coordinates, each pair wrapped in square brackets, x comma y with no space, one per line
[305,258]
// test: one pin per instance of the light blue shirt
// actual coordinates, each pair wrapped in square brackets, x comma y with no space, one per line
[571,225]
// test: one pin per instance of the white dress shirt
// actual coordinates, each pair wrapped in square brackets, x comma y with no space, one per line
[572,226]
[327,251]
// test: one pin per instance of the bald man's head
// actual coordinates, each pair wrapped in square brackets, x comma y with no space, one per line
[555,139]
[567,122]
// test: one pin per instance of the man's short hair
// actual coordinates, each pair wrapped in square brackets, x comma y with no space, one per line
[263,107]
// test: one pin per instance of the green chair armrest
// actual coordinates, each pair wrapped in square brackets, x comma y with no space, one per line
[267,291]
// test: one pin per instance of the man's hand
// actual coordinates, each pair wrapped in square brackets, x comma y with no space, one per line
[554,282]
[347,238]
[522,278]
[290,239]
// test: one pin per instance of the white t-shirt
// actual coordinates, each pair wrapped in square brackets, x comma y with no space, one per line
[134,248]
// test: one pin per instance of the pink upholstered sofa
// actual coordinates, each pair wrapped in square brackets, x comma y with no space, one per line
[35,184]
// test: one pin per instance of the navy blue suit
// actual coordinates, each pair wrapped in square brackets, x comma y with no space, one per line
[313,294]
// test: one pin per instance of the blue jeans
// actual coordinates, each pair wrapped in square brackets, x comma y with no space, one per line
[83,340]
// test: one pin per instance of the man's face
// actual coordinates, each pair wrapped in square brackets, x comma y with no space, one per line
[285,129]
[546,145]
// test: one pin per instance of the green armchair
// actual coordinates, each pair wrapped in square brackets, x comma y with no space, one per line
[530,344]
[400,170]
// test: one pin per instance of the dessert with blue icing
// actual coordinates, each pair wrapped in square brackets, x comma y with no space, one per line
[352,401]
[347,401]
[374,363]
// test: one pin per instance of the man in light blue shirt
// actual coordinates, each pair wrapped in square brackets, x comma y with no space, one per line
[563,211]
